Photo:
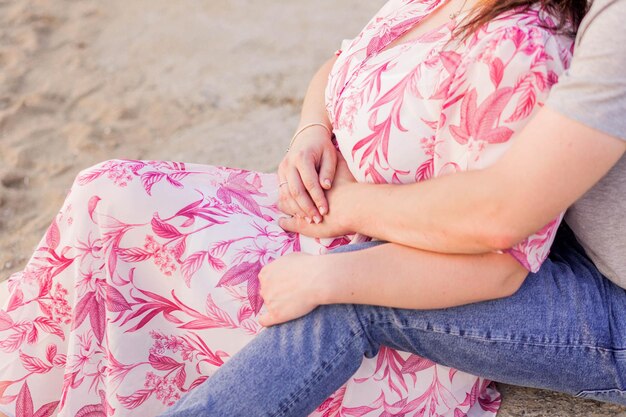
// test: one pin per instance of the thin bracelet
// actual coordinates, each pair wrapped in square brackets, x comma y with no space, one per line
[305,127]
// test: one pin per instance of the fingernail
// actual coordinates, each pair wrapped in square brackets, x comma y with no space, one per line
[317,219]
[322,210]
[308,219]
[327,183]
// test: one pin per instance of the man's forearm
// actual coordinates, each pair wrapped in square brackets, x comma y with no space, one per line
[552,163]
[398,276]
[444,215]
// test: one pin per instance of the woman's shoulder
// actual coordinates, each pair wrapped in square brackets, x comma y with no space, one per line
[528,31]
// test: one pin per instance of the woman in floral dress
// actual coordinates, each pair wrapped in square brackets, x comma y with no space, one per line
[147,279]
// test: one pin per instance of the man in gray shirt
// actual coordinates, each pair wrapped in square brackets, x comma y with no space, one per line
[564,329]
[593,93]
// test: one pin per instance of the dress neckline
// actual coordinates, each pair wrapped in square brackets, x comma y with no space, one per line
[412,23]
[421,37]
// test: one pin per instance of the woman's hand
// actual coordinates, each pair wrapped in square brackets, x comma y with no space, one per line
[289,287]
[337,221]
[305,172]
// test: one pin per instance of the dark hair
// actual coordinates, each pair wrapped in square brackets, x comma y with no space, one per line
[568,13]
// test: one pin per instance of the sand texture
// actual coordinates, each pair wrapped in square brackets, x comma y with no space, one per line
[212,81]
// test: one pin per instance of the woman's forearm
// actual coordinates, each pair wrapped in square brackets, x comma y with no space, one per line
[398,276]
[314,106]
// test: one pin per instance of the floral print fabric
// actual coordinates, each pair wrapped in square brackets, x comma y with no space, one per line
[430,107]
[146,281]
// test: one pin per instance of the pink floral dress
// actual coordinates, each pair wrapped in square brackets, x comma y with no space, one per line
[146,280]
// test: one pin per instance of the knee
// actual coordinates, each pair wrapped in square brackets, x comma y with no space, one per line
[349,321]
[345,316]
[91,184]
[330,321]
[119,172]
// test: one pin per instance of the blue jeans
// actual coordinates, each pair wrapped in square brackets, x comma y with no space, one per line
[564,330]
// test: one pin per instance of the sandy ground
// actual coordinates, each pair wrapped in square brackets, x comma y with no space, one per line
[211,81]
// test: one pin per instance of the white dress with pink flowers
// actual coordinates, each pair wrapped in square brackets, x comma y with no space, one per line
[146,280]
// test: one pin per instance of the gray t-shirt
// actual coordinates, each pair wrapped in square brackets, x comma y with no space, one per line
[593,92]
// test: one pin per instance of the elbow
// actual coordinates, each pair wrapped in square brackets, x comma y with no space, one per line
[498,238]
[500,220]
[501,227]
[496,235]
[512,282]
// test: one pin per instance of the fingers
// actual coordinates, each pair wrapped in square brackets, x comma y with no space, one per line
[266,320]
[305,185]
[290,224]
[287,204]
[299,193]
[311,182]
[328,166]
[270,319]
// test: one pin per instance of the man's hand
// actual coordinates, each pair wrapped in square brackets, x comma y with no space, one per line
[335,223]
[289,287]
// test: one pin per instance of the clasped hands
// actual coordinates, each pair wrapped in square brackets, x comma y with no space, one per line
[313,177]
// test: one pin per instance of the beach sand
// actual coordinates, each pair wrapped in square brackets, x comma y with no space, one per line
[215,82]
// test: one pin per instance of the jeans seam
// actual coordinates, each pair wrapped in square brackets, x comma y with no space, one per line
[298,394]
[508,341]
[586,392]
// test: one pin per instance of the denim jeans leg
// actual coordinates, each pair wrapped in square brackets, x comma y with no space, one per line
[563,330]
[281,370]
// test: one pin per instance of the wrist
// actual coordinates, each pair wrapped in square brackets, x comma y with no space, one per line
[312,134]
[346,206]
[327,127]
[309,127]
[328,270]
